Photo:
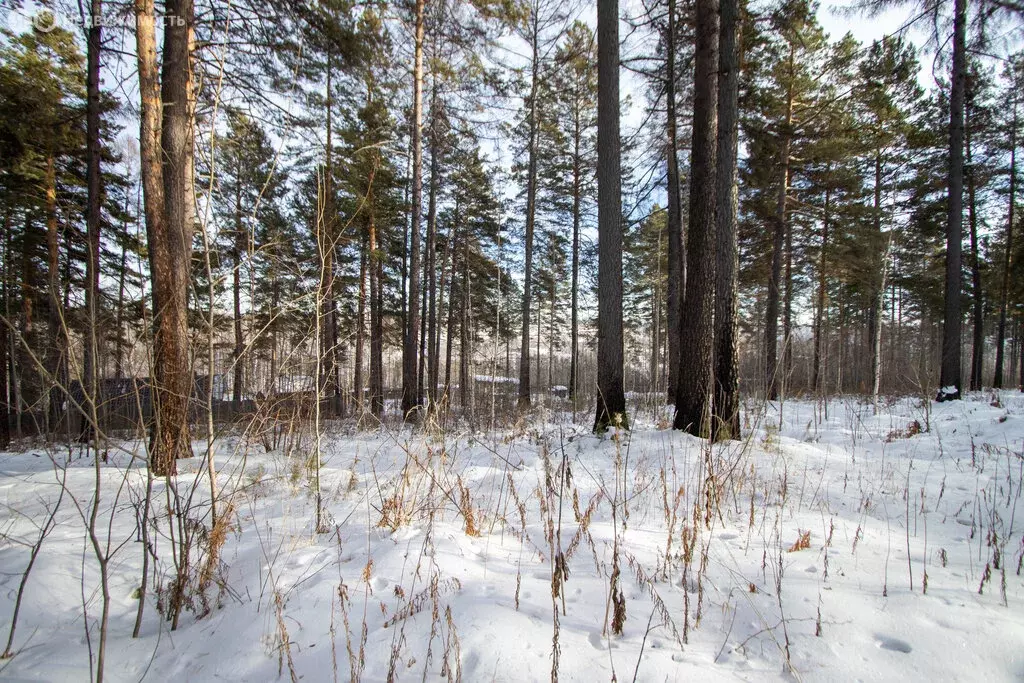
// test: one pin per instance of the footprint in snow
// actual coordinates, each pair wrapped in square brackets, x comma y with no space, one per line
[894,644]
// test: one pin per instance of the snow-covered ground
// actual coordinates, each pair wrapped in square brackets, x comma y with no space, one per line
[850,546]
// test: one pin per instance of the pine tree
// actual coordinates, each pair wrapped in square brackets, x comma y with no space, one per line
[696,348]
[726,399]
[611,398]
[889,95]
[1014,78]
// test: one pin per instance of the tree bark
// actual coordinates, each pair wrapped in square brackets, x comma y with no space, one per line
[435,180]
[531,210]
[94,200]
[878,295]
[165,149]
[376,321]
[5,384]
[327,242]
[1004,289]
[464,331]
[1020,348]
[978,304]
[950,377]
[56,362]
[726,401]
[611,398]
[410,361]
[778,239]
[820,384]
[577,198]
[236,290]
[693,395]
[676,255]
[171,255]
[357,372]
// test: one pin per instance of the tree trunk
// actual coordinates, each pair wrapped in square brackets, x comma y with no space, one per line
[449,339]
[950,378]
[878,295]
[327,242]
[119,321]
[531,209]
[421,369]
[778,239]
[376,322]
[357,372]
[693,395]
[577,197]
[464,331]
[56,362]
[165,149]
[236,289]
[275,308]
[978,308]
[822,300]
[435,180]
[787,314]
[1004,290]
[676,255]
[92,215]
[1020,348]
[26,389]
[410,360]
[551,337]
[726,401]
[611,398]
[655,303]
[5,384]
[171,255]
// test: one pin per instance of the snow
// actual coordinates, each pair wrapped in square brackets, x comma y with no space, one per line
[919,488]
[497,379]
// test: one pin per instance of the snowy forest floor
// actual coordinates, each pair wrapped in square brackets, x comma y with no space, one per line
[848,547]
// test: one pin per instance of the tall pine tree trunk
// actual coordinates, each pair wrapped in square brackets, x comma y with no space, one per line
[950,378]
[94,199]
[978,304]
[771,328]
[1020,348]
[327,242]
[693,395]
[357,372]
[449,338]
[611,398]
[166,149]
[787,313]
[1004,289]
[655,302]
[726,400]
[577,197]
[676,255]
[236,290]
[410,360]
[531,210]
[878,295]
[119,318]
[376,321]
[26,389]
[5,385]
[820,384]
[150,166]
[431,256]
[464,350]
[56,362]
